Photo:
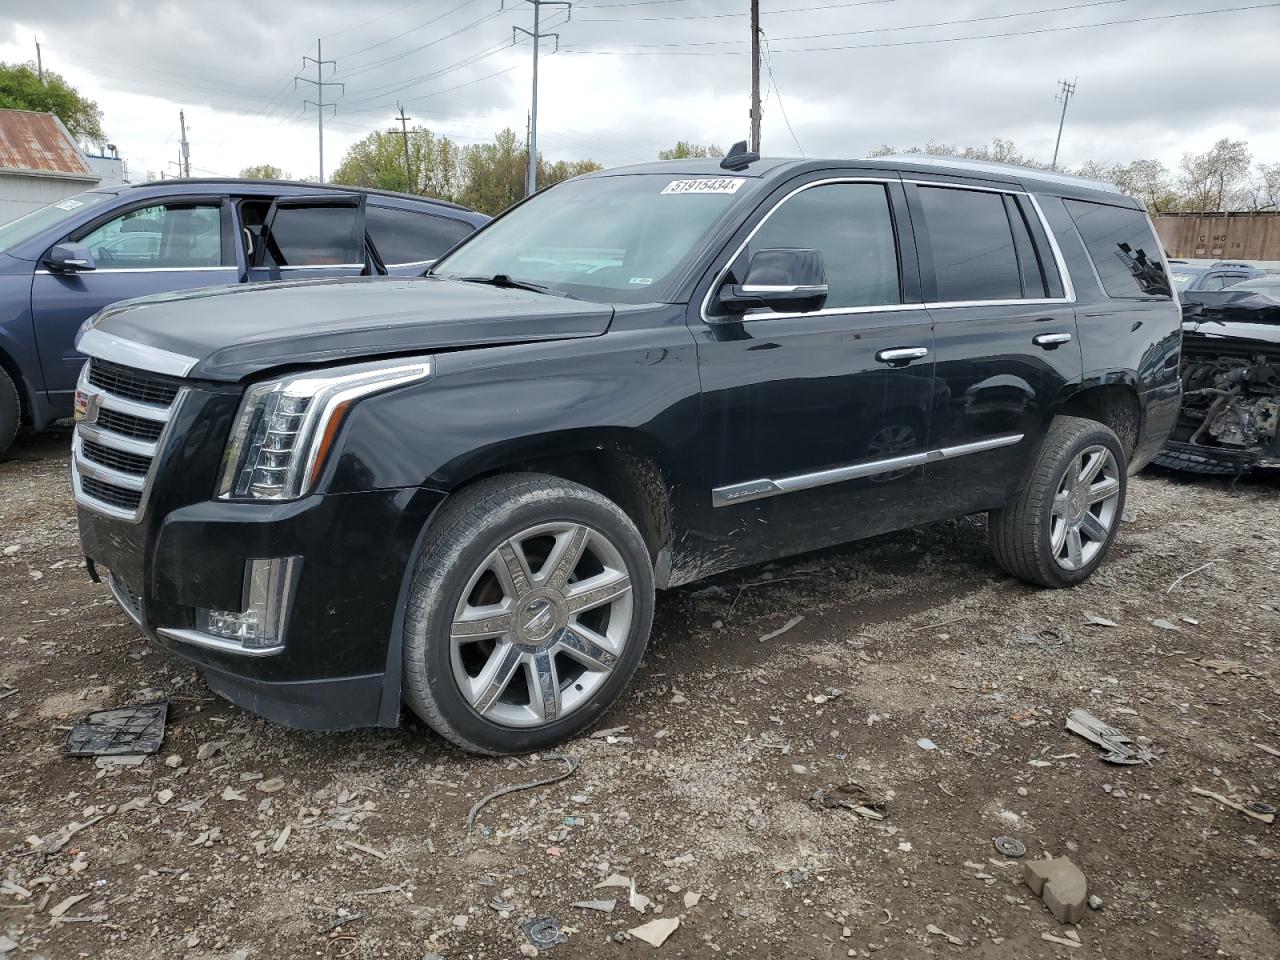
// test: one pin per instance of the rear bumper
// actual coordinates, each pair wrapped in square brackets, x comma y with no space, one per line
[339,666]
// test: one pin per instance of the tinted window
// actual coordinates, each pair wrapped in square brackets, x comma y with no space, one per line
[1029,265]
[314,237]
[850,225]
[1122,247]
[972,243]
[164,235]
[1221,280]
[403,236]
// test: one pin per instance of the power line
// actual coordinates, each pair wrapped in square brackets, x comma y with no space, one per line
[365,23]
[405,33]
[366,67]
[914,43]
[781,106]
[726,16]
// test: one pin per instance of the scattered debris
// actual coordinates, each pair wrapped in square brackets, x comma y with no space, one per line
[1060,884]
[602,906]
[1118,748]
[130,731]
[691,899]
[1047,639]
[939,932]
[211,749]
[282,838]
[1062,940]
[363,849]
[1095,902]
[614,880]
[230,793]
[274,785]
[656,932]
[543,932]
[1011,847]
[340,921]
[67,904]
[638,901]
[570,762]
[1267,748]
[774,634]
[1190,572]
[851,796]
[924,743]
[1162,624]
[1221,667]
[1242,807]
[1097,621]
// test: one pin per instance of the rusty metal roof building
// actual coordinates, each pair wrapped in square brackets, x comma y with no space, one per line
[40,163]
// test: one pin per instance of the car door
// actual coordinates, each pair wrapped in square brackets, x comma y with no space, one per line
[815,423]
[149,246]
[409,241]
[1004,336]
[311,237]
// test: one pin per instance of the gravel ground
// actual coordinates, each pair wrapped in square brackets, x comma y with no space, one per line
[245,841]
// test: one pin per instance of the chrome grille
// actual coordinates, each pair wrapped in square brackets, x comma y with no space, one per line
[122,414]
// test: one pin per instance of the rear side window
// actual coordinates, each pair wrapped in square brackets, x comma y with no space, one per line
[317,236]
[1124,251]
[405,236]
[850,225]
[972,242]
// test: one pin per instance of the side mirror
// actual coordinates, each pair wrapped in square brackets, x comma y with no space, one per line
[69,258]
[783,280]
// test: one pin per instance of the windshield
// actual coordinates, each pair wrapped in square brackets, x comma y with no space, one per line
[24,228]
[1182,280]
[616,238]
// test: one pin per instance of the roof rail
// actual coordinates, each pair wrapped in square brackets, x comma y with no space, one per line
[1008,170]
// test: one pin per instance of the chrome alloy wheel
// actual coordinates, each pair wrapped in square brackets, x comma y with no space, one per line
[1085,508]
[541,624]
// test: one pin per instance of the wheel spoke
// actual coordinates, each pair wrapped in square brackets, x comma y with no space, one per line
[1092,467]
[545,687]
[564,557]
[1059,536]
[1093,528]
[1075,548]
[494,626]
[514,569]
[496,675]
[1061,503]
[576,643]
[1103,490]
[595,593]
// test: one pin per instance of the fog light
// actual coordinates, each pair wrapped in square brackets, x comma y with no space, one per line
[268,589]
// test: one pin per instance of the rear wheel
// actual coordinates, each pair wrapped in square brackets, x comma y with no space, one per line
[1057,530]
[528,614]
[10,411]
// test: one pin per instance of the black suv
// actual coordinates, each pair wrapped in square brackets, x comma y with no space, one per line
[460,491]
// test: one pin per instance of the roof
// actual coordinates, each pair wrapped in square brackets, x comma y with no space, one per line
[301,185]
[989,168]
[38,145]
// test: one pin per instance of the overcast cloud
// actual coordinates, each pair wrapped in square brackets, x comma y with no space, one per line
[618,90]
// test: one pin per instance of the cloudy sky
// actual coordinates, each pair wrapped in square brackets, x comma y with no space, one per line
[633,76]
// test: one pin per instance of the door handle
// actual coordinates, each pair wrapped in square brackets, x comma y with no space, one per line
[1051,341]
[902,354]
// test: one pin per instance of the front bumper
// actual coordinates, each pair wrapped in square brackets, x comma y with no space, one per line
[339,665]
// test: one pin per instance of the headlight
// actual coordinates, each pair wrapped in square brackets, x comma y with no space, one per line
[286,427]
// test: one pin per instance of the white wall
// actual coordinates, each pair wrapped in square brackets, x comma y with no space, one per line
[20,195]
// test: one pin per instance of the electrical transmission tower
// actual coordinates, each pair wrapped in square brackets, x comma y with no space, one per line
[536,34]
[319,83]
[1066,90]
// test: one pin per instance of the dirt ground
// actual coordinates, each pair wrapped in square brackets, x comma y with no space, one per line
[260,849]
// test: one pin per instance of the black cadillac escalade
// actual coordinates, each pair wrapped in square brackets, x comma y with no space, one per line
[460,492]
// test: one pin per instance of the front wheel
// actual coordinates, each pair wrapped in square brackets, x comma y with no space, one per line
[527,615]
[1057,530]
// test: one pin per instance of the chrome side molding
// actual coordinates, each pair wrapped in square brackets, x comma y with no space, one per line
[764,487]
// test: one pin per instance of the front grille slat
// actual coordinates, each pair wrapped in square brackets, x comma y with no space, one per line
[131,384]
[126,412]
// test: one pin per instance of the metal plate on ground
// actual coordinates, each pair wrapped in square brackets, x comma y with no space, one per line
[124,730]
[1011,847]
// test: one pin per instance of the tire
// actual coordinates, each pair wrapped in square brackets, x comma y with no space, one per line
[10,411]
[1202,461]
[483,646]
[1023,533]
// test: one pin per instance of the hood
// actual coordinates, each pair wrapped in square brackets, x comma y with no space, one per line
[1232,315]
[234,332]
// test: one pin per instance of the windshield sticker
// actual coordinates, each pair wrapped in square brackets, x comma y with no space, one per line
[641,281]
[705,185]
[69,204]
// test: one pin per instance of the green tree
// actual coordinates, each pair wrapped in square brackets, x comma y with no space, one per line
[684,150]
[494,173]
[264,171]
[22,89]
[1216,179]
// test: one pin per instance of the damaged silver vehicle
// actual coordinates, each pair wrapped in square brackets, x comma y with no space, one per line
[1230,417]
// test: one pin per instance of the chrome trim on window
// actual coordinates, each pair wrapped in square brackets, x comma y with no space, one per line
[210,642]
[58,273]
[1068,288]
[764,487]
[130,353]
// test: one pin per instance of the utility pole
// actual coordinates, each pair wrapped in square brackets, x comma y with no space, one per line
[184,148]
[404,130]
[755,76]
[319,83]
[39,63]
[1066,89]
[531,185]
